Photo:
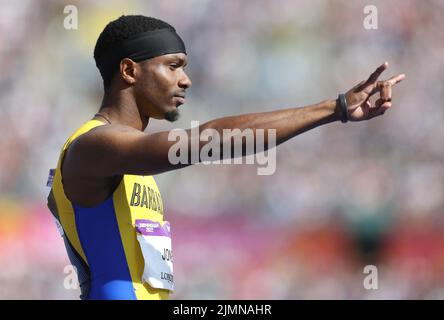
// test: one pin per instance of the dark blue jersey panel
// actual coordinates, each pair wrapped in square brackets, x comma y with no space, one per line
[99,236]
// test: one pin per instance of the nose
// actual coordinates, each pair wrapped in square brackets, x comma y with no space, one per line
[185,81]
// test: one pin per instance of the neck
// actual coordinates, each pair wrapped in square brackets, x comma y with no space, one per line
[121,108]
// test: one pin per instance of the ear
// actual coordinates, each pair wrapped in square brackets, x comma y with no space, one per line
[128,70]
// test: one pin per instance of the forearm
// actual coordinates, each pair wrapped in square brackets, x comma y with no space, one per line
[287,122]
[242,135]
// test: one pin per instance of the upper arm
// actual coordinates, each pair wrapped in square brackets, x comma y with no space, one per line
[116,150]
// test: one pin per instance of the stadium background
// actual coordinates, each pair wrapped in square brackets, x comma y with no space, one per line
[342,197]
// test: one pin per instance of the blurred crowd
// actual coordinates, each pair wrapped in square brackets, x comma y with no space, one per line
[342,196]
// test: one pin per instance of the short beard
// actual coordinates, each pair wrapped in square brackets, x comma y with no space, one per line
[172,115]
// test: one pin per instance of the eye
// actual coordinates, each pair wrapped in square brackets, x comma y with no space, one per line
[174,65]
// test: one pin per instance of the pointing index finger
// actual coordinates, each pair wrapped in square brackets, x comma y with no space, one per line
[396,79]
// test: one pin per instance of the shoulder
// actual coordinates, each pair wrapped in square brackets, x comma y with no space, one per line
[104,132]
[96,148]
[86,174]
[101,139]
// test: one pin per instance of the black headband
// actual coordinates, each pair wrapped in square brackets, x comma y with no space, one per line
[144,46]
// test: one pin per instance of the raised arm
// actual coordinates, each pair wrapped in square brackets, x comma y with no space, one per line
[116,150]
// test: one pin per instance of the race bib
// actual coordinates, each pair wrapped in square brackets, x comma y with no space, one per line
[155,242]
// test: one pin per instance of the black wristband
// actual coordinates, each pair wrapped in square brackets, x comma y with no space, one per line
[342,102]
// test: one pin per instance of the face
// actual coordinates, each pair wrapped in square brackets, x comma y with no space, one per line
[161,84]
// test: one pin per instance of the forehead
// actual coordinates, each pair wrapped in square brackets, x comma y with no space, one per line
[165,59]
[172,56]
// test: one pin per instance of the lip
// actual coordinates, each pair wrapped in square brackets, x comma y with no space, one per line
[181,99]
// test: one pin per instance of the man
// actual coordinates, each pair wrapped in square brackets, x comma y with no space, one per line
[103,196]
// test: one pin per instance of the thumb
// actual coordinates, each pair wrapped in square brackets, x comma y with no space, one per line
[380,108]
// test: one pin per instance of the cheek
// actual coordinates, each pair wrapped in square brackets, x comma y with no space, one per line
[165,79]
[157,84]
[160,84]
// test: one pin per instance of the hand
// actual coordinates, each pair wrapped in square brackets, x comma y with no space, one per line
[359,106]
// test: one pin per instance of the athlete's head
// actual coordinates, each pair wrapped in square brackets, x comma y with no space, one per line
[146,56]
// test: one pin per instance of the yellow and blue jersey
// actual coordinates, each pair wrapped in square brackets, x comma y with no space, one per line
[101,241]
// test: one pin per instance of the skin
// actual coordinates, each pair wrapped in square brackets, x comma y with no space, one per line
[96,161]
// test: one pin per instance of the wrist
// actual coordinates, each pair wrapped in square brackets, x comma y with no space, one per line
[333,105]
[341,108]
